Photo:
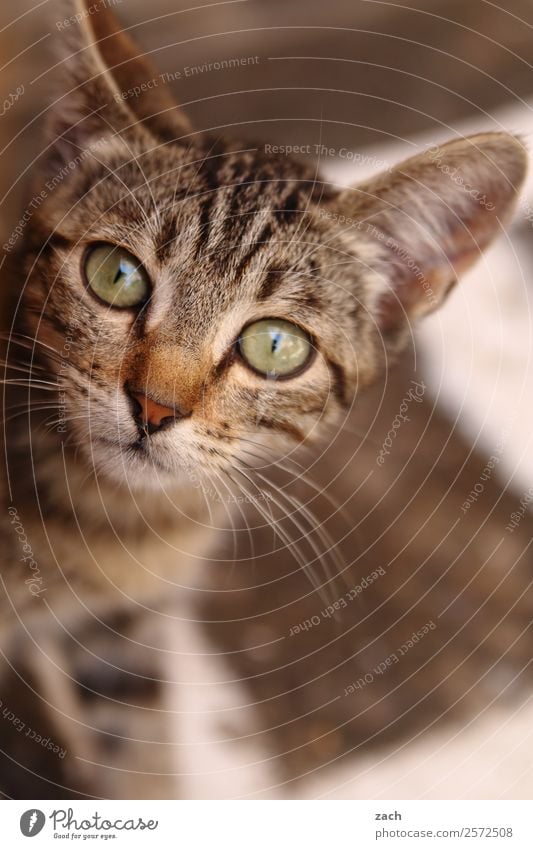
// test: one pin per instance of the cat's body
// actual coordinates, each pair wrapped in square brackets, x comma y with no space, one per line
[110,498]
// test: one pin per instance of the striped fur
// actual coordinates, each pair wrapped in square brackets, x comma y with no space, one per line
[227,235]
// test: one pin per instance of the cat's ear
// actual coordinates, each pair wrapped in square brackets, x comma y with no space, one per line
[108,85]
[430,218]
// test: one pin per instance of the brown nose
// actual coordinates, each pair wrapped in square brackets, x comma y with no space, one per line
[152,416]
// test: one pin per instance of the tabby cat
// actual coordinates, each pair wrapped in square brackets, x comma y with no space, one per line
[178,301]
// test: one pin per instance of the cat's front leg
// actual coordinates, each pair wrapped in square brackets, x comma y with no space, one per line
[86,716]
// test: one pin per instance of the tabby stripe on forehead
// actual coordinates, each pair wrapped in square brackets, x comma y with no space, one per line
[204,224]
[236,199]
[166,239]
[291,203]
[271,282]
[262,238]
[227,206]
[209,171]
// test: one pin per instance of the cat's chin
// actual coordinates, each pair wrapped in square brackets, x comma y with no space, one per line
[137,469]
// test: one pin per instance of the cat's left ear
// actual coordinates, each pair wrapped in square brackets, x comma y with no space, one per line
[428,220]
[109,85]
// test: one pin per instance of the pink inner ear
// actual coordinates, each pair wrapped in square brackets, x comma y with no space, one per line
[434,216]
[419,290]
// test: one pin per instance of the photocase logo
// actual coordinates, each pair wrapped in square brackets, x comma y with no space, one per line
[32,822]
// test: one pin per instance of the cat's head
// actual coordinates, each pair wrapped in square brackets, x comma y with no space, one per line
[197,296]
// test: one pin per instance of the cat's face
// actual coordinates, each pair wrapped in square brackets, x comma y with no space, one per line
[200,298]
[205,282]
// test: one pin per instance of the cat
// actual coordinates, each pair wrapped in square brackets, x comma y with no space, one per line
[177,299]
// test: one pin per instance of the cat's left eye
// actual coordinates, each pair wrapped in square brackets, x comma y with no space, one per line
[275,348]
[116,276]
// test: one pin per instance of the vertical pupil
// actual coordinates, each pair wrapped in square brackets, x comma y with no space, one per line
[120,271]
[275,343]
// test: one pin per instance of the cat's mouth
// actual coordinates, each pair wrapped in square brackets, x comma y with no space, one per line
[142,448]
[138,455]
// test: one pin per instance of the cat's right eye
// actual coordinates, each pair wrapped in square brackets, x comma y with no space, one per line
[116,276]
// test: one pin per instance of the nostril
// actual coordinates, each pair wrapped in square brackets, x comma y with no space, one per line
[151,415]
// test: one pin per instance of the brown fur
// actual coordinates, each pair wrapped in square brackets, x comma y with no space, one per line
[227,236]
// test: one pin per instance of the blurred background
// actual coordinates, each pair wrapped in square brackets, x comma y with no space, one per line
[346,73]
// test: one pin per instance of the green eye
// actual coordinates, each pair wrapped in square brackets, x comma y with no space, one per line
[275,348]
[116,276]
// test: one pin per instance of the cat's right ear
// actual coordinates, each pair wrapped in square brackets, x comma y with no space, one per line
[109,86]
